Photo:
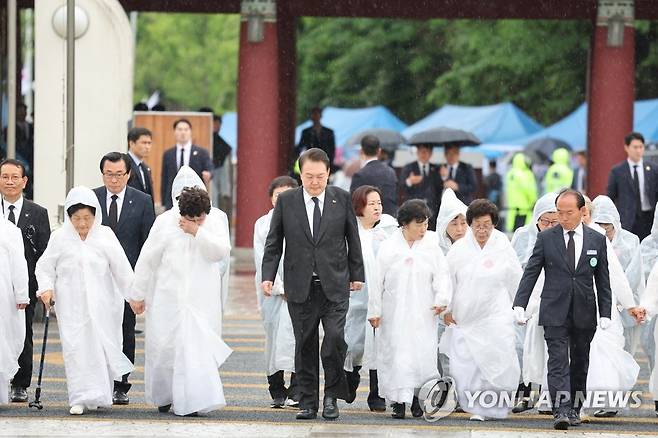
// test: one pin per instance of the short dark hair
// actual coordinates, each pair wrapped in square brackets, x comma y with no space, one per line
[360,198]
[282,181]
[182,121]
[580,199]
[581,154]
[315,109]
[633,136]
[217,117]
[136,132]
[158,107]
[370,145]
[193,201]
[115,157]
[479,208]
[140,106]
[413,210]
[206,109]
[493,164]
[314,154]
[425,146]
[12,162]
[77,207]
[448,147]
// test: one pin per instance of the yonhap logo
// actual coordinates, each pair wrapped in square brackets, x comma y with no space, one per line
[438,398]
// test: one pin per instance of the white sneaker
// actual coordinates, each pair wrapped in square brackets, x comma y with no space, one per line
[92,408]
[292,403]
[77,410]
[477,418]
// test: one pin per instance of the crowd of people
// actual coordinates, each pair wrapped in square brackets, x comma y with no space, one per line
[405,294]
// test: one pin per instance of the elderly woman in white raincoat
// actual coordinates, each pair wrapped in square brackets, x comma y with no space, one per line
[279,336]
[649,252]
[374,228]
[650,303]
[177,275]
[479,339]
[86,268]
[403,305]
[13,300]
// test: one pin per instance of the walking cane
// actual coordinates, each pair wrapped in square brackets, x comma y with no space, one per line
[37,395]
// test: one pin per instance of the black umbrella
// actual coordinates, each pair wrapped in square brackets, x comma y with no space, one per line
[541,150]
[389,140]
[444,137]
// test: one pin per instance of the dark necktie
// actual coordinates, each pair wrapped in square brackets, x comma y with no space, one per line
[636,187]
[571,250]
[12,217]
[142,173]
[181,163]
[452,173]
[114,214]
[316,218]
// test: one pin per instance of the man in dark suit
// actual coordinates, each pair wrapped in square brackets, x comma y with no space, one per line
[421,180]
[580,173]
[33,222]
[319,223]
[139,147]
[130,214]
[572,256]
[458,176]
[633,187]
[318,136]
[183,154]
[376,173]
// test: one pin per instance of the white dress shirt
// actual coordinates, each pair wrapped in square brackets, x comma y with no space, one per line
[141,172]
[646,206]
[18,206]
[120,196]
[186,154]
[577,240]
[424,168]
[310,206]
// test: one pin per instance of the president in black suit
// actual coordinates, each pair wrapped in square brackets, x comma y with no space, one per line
[139,147]
[459,176]
[422,180]
[318,136]
[572,257]
[322,263]
[378,174]
[130,214]
[183,154]
[32,219]
[633,187]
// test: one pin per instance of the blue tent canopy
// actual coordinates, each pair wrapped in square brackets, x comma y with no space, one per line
[490,123]
[229,130]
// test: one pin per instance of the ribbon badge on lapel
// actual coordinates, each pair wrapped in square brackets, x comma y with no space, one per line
[648,168]
[593,262]
[195,152]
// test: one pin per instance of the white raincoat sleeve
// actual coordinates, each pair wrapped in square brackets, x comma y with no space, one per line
[120,267]
[514,273]
[213,241]
[441,281]
[376,288]
[619,280]
[18,265]
[149,259]
[650,298]
[225,263]
[45,270]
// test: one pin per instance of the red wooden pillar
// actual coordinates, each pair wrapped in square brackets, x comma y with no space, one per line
[258,123]
[611,91]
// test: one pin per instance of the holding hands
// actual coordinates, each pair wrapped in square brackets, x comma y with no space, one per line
[639,313]
[138,307]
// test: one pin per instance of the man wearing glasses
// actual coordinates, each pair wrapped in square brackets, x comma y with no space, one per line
[130,214]
[32,219]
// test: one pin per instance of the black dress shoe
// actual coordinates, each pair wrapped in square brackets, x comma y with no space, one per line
[120,398]
[353,380]
[398,410]
[18,394]
[193,414]
[307,414]
[602,413]
[561,422]
[278,403]
[416,410]
[522,406]
[376,404]
[164,409]
[329,408]
[574,417]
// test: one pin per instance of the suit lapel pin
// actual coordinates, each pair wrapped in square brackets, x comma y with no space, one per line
[130,202]
[195,152]
[648,168]
[27,215]
[333,201]
[593,262]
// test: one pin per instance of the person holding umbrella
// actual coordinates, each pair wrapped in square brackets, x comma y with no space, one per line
[421,180]
[457,175]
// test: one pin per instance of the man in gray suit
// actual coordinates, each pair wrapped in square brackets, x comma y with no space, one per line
[572,256]
[323,262]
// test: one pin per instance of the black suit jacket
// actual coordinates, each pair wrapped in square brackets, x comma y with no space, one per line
[199,161]
[565,287]
[465,177]
[576,175]
[35,228]
[135,221]
[325,141]
[135,180]
[335,257]
[381,175]
[622,193]
[429,189]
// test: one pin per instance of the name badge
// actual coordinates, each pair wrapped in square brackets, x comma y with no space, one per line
[591,252]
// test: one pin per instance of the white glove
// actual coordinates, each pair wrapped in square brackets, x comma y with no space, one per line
[604,323]
[519,315]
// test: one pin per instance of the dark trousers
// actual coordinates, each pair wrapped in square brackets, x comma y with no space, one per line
[568,362]
[305,320]
[128,327]
[277,386]
[23,377]
[643,223]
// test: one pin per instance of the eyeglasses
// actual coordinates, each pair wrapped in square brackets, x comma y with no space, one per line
[482,227]
[12,178]
[547,223]
[115,175]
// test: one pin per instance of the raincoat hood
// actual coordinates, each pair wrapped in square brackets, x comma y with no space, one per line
[560,156]
[85,196]
[519,162]
[605,212]
[451,207]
